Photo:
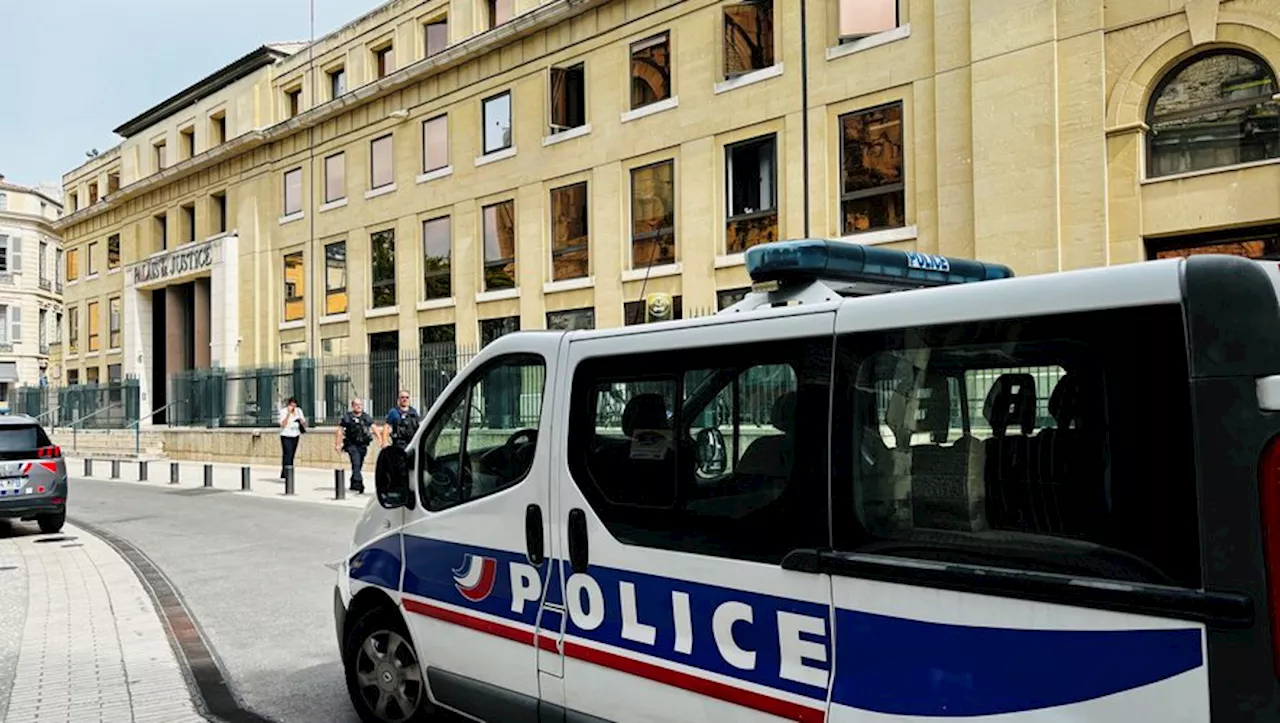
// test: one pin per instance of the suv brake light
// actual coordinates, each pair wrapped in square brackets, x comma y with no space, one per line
[53,452]
[1269,485]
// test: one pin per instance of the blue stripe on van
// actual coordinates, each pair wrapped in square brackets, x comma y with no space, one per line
[378,564]
[907,667]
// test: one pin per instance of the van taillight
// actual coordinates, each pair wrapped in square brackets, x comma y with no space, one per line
[1269,482]
[49,452]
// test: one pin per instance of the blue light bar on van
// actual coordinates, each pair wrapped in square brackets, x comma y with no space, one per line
[841,261]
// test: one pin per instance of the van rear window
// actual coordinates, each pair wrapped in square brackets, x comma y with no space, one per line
[1058,444]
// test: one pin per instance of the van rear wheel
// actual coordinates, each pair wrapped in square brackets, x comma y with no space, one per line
[50,524]
[385,678]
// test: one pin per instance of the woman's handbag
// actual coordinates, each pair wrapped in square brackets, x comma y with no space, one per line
[302,426]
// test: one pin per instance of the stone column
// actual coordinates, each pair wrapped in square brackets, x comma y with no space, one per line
[136,327]
[202,323]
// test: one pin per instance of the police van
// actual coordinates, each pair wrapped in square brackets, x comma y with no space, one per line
[884,486]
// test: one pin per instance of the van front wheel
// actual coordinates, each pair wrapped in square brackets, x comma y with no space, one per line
[384,676]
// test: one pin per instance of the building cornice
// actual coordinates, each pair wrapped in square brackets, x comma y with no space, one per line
[29,219]
[535,20]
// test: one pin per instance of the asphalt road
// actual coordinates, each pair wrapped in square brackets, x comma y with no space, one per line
[252,572]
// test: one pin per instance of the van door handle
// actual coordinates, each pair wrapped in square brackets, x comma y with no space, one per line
[533,534]
[578,540]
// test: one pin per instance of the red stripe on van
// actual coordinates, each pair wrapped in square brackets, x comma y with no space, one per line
[639,668]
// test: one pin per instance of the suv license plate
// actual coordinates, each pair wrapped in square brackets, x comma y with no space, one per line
[11,469]
[11,484]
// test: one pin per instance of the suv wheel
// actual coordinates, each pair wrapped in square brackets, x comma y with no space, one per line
[50,524]
[385,679]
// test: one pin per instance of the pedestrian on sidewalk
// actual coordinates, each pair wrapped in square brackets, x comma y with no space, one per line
[293,424]
[402,422]
[353,436]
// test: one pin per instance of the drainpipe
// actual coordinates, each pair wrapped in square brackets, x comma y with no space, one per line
[804,105]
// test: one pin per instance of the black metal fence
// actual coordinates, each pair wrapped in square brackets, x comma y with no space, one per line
[113,405]
[324,388]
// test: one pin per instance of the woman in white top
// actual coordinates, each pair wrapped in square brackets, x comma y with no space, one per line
[292,424]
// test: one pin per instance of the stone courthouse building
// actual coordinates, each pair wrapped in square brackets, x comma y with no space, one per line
[452,170]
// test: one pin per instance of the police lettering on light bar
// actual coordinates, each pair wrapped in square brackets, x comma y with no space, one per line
[814,259]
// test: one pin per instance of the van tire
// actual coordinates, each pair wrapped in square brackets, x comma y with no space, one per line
[50,524]
[373,680]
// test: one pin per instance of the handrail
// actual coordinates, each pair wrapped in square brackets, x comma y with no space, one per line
[43,414]
[75,430]
[137,425]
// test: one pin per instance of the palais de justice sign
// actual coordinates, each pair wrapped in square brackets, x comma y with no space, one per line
[174,264]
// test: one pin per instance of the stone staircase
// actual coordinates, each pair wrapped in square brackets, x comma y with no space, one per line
[108,443]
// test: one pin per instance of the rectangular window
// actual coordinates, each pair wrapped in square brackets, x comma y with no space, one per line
[568,97]
[335,278]
[500,11]
[748,37]
[94,326]
[293,192]
[650,71]
[497,123]
[751,185]
[43,332]
[44,263]
[435,36]
[569,246]
[759,412]
[162,158]
[113,182]
[437,334]
[220,212]
[113,323]
[493,329]
[653,215]
[189,223]
[11,254]
[381,169]
[91,256]
[188,136]
[435,143]
[161,226]
[4,253]
[293,102]
[437,247]
[571,319]
[337,83]
[637,312]
[113,251]
[872,191]
[295,308]
[218,128]
[384,60]
[335,177]
[93,193]
[1053,444]
[860,18]
[74,201]
[15,324]
[73,330]
[729,297]
[73,264]
[500,246]
[383,252]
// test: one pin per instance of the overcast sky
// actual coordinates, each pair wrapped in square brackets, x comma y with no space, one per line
[74,69]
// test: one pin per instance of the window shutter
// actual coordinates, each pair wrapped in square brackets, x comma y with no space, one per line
[15,254]
[559,98]
[16,325]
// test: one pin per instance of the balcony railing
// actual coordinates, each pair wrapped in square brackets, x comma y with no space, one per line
[6,347]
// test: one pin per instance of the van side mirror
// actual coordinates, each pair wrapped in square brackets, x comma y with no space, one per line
[391,478]
[713,457]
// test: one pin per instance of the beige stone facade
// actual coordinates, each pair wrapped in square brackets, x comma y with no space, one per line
[445,149]
[30,292]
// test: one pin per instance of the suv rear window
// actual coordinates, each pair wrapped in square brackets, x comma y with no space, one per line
[22,439]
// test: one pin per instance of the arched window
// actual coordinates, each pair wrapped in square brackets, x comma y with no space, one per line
[1212,110]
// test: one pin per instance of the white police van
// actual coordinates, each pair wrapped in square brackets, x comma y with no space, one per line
[1053,498]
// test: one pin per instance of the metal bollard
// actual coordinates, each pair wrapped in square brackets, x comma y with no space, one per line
[142,470]
[244,479]
[339,484]
[115,469]
[88,467]
[173,473]
[208,475]
[288,480]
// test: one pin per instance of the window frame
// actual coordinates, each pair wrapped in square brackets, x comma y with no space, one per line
[292,173]
[90,254]
[663,39]
[565,73]
[384,58]
[772,49]
[898,187]
[842,38]
[341,156]
[485,150]
[774,211]
[389,138]
[426,35]
[337,82]
[333,292]
[656,234]
[463,395]
[488,263]
[376,284]
[447,271]
[299,300]
[585,246]
[94,341]
[441,120]
[114,322]
[72,270]
[113,240]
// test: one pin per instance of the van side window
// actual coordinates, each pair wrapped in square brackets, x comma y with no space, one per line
[1055,444]
[485,438]
[714,451]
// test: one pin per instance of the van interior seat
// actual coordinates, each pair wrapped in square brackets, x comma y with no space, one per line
[947,485]
[1010,410]
[772,455]
[1071,482]
[628,477]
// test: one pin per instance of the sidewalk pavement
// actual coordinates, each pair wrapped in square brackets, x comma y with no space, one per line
[92,648]
[310,484]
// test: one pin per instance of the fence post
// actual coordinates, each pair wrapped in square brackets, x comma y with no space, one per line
[115,469]
[244,479]
[288,480]
[142,470]
[208,475]
[88,466]
[173,473]
[339,484]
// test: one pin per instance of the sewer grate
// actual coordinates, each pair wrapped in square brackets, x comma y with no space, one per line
[61,538]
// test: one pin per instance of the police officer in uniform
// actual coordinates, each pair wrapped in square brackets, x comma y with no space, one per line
[353,437]
[402,423]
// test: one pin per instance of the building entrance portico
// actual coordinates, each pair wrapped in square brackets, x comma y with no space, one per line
[181,311]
